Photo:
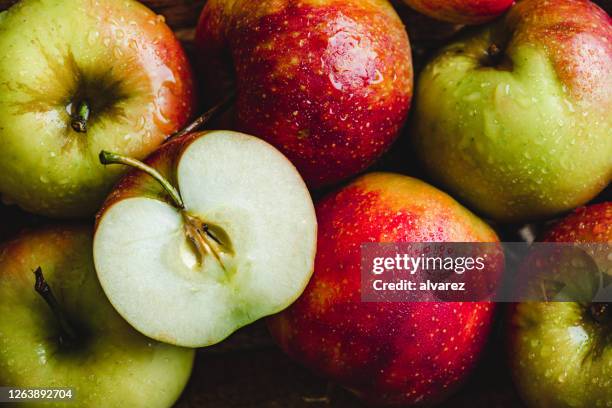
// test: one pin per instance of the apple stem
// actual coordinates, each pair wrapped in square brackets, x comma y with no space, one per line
[205,117]
[41,286]
[79,121]
[493,50]
[114,158]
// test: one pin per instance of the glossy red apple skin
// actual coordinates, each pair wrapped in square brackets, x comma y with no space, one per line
[461,11]
[389,354]
[329,83]
[584,225]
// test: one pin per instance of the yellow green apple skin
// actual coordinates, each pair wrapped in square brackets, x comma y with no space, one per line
[109,364]
[560,353]
[515,118]
[117,58]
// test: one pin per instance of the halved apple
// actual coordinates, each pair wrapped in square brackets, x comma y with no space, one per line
[215,231]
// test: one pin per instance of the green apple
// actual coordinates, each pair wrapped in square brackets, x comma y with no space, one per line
[76,77]
[72,336]
[561,352]
[514,118]
[223,234]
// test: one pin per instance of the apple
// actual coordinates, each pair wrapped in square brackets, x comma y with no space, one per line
[388,353]
[423,30]
[215,231]
[59,330]
[328,83]
[461,11]
[77,77]
[561,352]
[514,119]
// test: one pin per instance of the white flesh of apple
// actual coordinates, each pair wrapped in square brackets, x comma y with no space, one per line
[150,271]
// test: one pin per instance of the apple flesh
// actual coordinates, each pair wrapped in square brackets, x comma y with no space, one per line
[461,11]
[91,348]
[515,118]
[78,77]
[561,352]
[328,83]
[386,353]
[236,241]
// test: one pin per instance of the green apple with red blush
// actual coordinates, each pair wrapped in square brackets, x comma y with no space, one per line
[462,11]
[328,82]
[59,330]
[514,118]
[387,353]
[77,77]
[560,353]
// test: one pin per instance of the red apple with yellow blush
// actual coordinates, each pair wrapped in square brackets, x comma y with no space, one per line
[392,354]
[329,83]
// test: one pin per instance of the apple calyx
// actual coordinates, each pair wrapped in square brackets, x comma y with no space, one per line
[68,335]
[80,117]
[205,238]
[601,312]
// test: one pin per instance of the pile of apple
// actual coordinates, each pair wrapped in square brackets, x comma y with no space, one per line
[199,233]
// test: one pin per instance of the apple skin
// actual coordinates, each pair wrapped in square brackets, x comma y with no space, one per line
[584,225]
[117,56]
[525,134]
[391,354]
[112,365]
[553,346]
[461,11]
[329,83]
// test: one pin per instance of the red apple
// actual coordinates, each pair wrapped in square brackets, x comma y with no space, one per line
[328,83]
[461,11]
[387,353]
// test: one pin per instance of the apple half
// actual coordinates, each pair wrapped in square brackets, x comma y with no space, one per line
[215,231]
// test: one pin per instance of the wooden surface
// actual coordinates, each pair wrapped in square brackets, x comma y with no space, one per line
[261,376]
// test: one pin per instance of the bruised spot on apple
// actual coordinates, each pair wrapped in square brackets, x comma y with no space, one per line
[387,353]
[329,83]
[77,77]
[461,11]
[77,339]
[218,231]
[514,118]
[561,352]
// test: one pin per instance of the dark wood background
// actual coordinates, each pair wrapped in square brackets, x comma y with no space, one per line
[248,370]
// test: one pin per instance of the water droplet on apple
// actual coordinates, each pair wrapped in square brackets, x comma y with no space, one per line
[92,37]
